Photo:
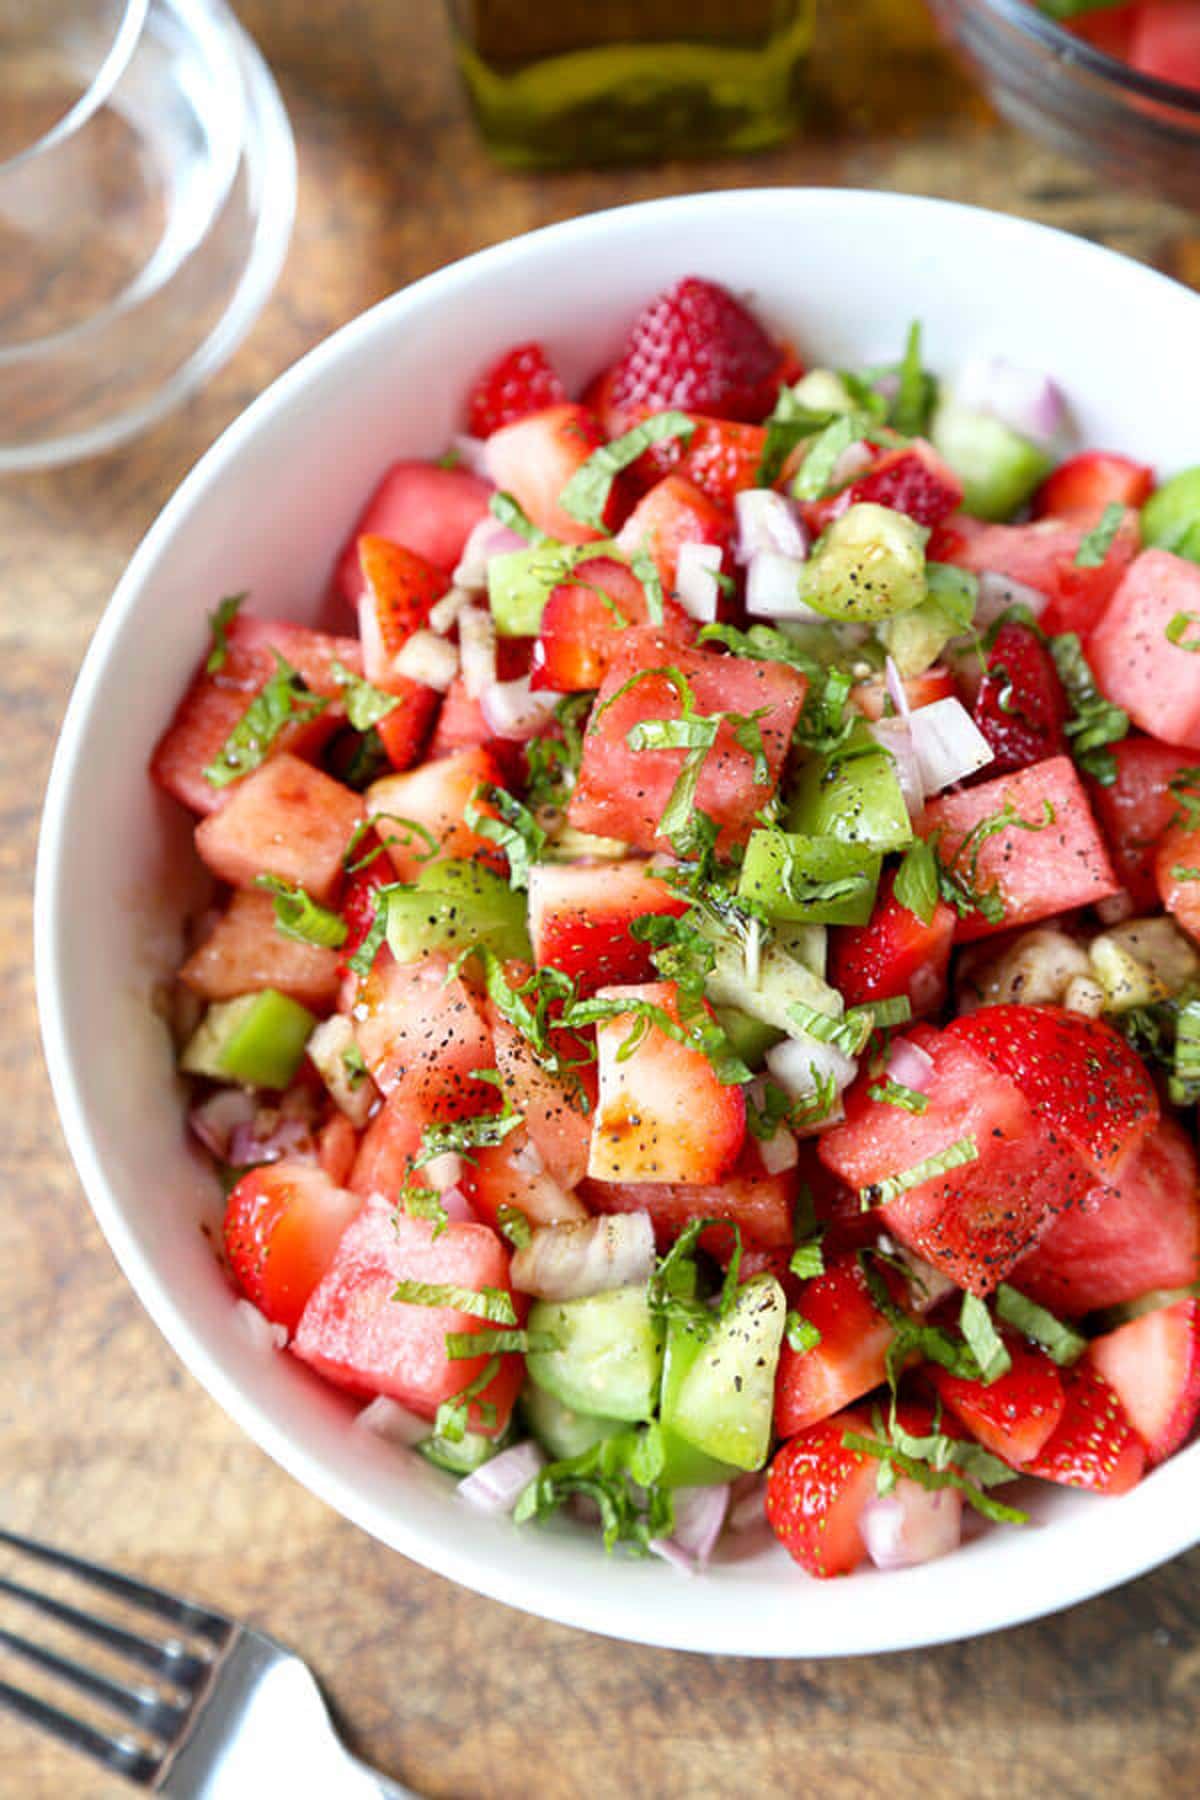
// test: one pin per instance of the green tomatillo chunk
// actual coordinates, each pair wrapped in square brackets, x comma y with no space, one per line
[804,880]
[683,1464]
[560,1430]
[868,565]
[453,906]
[256,1040]
[724,1399]
[608,1359]
[521,581]
[852,794]
[998,468]
[1171,517]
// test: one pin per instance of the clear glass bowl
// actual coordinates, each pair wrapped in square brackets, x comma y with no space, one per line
[1050,83]
[147,187]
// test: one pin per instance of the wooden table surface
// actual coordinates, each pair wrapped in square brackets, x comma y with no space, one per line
[107,1444]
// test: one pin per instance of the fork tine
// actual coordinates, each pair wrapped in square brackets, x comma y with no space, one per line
[171,1659]
[199,1619]
[123,1755]
[145,1707]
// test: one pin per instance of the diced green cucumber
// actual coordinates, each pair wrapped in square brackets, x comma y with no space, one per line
[749,1038]
[461,1456]
[852,794]
[807,944]
[869,564]
[803,880]
[683,1464]
[914,640]
[725,1400]
[521,581]
[257,1040]
[609,1357]
[453,905]
[998,468]
[1143,960]
[821,390]
[781,984]
[560,1430]
[1171,517]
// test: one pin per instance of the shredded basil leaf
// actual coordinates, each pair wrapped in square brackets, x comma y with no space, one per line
[492,1304]
[298,915]
[461,1344]
[450,1421]
[219,623]
[363,960]
[983,1340]
[802,1335]
[365,705]
[513,1225]
[1095,722]
[820,461]
[1061,1343]
[916,885]
[916,390]
[1178,626]
[511,513]
[620,1475]
[894,1093]
[880,1193]
[1095,544]
[586,494]
[283,698]
[516,831]
[807,1260]
[461,1136]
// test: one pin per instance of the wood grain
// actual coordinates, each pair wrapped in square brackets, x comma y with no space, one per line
[108,1445]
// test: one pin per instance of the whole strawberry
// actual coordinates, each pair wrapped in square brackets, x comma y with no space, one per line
[520,383]
[697,348]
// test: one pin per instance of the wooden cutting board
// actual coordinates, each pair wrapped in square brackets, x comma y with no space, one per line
[105,1442]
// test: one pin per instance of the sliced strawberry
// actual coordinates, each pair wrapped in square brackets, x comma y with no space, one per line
[357,1334]
[912,480]
[721,458]
[674,512]
[534,460]
[1153,1366]
[1177,873]
[431,511]
[244,953]
[287,819]
[849,1357]
[512,1174]
[895,953]
[434,796]
[580,915]
[1013,1416]
[1078,1074]
[1137,1232]
[403,731]
[422,1035]
[283,1224]
[520,382]
[1137,808]
[973,1220]
[399,587]
[1089,482]
[1093,1446]
[698,348]
[1021,707]
[555,1108]
[582,623]
[816,1492]
[662,1114]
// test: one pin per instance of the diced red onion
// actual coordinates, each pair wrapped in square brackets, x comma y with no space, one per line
[896,689]
[670,1552]
[773,587]
[444,1171]
[948,743]
[798,1063]
[513,711]
[699,1516]
[887,386]
[386,1418]
[262,1332]
[854,460]
[1026,400]
[910,1065]
[895,736]
[443,614]
[591,1256]
[747,1499]
[911,1525]
[487,538]
[215,1119]
[428,658]
[779,1152]
[496,1486]
[269,1138]
[998,592]
[474,454]
[768,521]
[696,587]
[477,651]
[457,1207]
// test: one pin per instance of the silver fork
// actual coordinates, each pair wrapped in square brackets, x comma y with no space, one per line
[218,1712]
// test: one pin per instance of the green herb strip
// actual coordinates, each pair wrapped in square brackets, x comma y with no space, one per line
[299,916]
[284,699]
[586,494]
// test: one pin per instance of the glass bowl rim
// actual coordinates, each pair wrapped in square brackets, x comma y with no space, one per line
[1027,17]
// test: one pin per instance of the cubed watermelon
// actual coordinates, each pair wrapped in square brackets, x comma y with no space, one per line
[1137,807]
[429,510]
[1136,663]
[434,796]
[244,952]
[421,1035]
[286,819]
[1042,556]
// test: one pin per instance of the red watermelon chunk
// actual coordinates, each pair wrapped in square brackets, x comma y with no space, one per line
[435,796]
[1077,1073]
[1138,1232]
[1136,809]
[214,704]
[286,819]
[1042,556]
[622,793]
[1036,872]
[422,1035]
[429,510]
[354,1333]
[973,1221]
[1135,662]
[244,953]
[760,1205]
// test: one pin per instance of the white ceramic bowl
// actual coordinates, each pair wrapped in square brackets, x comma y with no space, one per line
[266,509]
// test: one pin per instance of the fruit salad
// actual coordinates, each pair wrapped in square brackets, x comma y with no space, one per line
[1155,37]
[698,1017]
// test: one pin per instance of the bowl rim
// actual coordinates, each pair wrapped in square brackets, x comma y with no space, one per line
[1129,1554]
[1025,16]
